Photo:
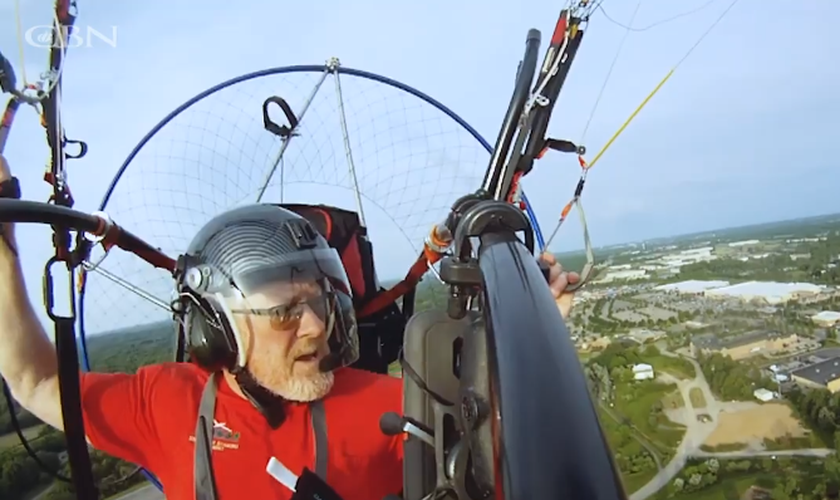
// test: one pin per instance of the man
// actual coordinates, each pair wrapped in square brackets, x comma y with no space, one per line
[266,307]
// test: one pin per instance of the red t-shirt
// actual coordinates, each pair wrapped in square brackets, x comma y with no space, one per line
[149,419]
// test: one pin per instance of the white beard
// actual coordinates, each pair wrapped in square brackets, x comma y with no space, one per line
[304,389]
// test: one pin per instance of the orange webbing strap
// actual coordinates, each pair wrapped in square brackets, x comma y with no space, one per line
[418,269]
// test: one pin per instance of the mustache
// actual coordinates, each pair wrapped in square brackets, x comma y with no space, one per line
[308,349]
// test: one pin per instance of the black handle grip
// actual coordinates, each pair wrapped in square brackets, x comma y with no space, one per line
[12,211]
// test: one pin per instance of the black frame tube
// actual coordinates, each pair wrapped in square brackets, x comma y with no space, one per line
[544,447]
[541,120]
[24,211]
[510,124]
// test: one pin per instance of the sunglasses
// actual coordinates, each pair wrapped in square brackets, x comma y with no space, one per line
[285,317]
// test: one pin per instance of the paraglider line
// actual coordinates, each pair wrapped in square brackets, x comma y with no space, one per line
[348,151]
[609,74]
[288,139]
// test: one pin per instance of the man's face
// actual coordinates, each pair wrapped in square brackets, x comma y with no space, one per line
[284,348]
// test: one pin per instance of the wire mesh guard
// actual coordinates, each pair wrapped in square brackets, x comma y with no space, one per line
[409,159]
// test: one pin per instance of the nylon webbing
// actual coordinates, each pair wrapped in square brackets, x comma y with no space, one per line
[205,484]
[319,425]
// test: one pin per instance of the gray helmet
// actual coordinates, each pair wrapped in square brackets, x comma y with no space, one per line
[238,254]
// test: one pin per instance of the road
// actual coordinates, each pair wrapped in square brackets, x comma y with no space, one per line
[809,452]
[697,432]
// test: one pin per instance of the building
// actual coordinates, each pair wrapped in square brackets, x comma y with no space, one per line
[645,336]
[753,256]
[593,344]
[745,243]
[689,256]
[643,371]
[629,274]
[776,373]
[823,375]
[691,287]
[767,292]
[826,319]
[764,395]
[742,346]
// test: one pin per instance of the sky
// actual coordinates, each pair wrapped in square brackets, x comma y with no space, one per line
[742,133]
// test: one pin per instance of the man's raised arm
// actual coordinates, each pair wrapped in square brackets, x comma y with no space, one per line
[27,357]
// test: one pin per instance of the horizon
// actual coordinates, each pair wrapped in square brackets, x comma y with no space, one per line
[431,282]
[709,232]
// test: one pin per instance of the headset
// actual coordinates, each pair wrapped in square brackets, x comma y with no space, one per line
[210,339]
[212,342]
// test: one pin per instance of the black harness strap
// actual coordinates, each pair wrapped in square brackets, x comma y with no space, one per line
[205,483]
[69,390]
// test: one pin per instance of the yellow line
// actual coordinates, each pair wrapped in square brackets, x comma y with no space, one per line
[630,119]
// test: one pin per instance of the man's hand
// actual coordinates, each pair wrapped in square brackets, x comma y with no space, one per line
[7,234]
[558,280]
[5,171]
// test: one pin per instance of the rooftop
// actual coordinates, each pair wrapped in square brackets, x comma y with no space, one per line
[820,373]
[744,243]
[692,286]
[769,290]
[827,316]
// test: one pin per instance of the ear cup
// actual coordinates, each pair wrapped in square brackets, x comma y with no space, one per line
[344,338]
[209,339]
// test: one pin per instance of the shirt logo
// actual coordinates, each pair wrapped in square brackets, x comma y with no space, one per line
[224,438]
[222,432]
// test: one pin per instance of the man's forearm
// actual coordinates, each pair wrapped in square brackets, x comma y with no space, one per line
[27,357]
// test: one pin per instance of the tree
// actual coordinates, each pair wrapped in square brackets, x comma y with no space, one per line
[779,493]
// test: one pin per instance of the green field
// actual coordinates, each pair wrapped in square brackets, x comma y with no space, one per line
[677,367]
[634,455]
[639,434]
[641,403]
[697,398]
